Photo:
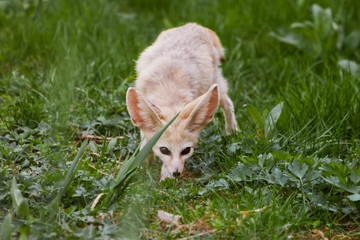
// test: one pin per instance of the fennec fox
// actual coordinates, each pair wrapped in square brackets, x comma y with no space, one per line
[179,72]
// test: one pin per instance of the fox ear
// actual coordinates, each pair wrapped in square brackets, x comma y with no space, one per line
[144,114]
[199,112]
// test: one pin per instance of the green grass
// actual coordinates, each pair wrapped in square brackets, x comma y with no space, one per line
[65,67]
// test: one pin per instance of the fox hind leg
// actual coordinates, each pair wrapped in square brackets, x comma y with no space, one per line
[228,109]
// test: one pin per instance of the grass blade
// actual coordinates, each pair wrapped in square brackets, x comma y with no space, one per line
[71,171]
[53,206]
[130,165]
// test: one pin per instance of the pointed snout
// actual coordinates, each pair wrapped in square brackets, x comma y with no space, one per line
[175,171]
[172,169]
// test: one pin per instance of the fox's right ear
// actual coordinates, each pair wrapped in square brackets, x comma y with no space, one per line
[142,114]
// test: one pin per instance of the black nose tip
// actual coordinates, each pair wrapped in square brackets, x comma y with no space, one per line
[176,174]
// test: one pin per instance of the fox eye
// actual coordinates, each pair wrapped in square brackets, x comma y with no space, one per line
[185,151]
[165,151]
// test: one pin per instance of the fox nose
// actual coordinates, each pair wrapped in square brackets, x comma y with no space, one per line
[176,174]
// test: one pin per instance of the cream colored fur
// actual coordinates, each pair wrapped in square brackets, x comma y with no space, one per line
[179,73]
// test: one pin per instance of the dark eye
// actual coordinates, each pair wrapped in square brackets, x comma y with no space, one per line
[165,151]
[186,151]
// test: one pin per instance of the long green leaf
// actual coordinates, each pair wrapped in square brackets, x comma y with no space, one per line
[23,210]
[254,113]
[6,228]
[54,204]
[20,204]
[71,171]
[15,193]
[272,118]
[130,165]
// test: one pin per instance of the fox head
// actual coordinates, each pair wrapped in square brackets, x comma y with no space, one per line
[178,141]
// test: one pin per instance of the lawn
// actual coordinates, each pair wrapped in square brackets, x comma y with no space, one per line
[291,172]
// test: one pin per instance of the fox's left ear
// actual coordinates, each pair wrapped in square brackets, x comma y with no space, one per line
[200,112]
